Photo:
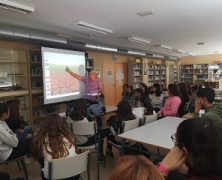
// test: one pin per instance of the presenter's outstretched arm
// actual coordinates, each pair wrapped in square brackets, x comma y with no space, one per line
[73,74]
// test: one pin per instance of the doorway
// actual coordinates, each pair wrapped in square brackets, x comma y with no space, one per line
[114,77]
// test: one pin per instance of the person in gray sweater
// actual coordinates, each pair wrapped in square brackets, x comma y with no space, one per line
[10,148]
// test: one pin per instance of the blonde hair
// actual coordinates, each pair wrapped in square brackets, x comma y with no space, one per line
[135,168]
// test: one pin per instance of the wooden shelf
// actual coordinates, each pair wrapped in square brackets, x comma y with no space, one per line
[15,62]
[37,91]
[14,93]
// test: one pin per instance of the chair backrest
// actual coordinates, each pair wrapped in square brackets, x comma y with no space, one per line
[83,128]
[150,118]
[131,124]
[138,112]
[68,167]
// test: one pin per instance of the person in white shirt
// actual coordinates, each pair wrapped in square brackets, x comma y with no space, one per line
[156,97]
[53,141]
[10,148]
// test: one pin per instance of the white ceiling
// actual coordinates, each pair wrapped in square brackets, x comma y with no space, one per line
[176,23]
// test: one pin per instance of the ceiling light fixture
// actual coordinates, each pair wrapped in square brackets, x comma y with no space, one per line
[191,54]
[158,56]
[137,53]
[180,51]
[166,47]
[17,7]
[145,13]
[139,40]
[101,48]
[92,27]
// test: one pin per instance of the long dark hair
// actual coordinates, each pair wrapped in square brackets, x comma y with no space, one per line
[158,91]
[184,92]
[124,112]
[173,89]
[3,109]
[14,108]
[51,136]
[202,137]
[79,111]
[147,105]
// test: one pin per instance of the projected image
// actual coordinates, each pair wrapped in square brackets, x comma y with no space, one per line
[58,83]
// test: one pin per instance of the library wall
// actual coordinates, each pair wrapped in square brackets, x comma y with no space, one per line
[205,59]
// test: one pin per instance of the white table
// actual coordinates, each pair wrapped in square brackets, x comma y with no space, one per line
[157,133]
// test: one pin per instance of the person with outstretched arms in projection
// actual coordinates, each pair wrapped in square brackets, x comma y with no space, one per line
[93,86]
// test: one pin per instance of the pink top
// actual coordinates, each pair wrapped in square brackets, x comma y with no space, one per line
[171,106]
[93,87]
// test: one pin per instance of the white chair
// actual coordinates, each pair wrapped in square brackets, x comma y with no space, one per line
[150,118]
[69,167]
[131,124]
[85,129]
[126,126]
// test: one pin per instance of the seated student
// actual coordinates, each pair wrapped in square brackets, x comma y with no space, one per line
[205,99]
[10,148]
[156,97]
[129,95]
[198,145]
[145,109]
[53,141]
[135,168]
[172,103]
[124,113]
[137,96]
[15,122]
[125,86]
[149,110]
[184,98]
[79,114]
[144,89]
[193,97]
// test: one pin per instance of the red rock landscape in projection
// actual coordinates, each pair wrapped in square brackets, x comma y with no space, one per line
[61,81]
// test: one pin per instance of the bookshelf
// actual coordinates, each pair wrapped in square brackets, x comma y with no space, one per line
[135,72]
[14,82]
[176,74]
[200,73]
[186,73]
[156,74]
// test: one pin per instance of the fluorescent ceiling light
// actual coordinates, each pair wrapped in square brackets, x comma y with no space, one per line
[145,13]
[92,27]
[180,51]
[166,47]
[139,40]
[46,38]
[101,48]
[17,7]
[191,54]
[137,53]
[158,56]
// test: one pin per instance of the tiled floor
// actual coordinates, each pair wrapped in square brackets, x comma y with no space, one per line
[34,169]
